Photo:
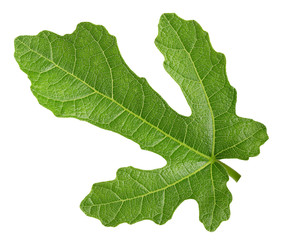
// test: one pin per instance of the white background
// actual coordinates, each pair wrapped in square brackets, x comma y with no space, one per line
[48,164]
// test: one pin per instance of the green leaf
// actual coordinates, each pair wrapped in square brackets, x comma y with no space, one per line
[83,75]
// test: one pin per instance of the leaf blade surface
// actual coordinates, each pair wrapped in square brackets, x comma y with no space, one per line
[83,75]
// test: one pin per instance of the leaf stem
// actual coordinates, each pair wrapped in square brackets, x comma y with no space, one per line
[231,172]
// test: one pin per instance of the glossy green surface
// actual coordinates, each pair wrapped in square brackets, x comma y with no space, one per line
[83,75]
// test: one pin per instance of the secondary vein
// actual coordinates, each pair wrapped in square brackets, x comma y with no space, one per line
[117,103]
[201,83]
[158,190]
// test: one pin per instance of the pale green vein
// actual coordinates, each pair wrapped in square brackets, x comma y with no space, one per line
[117,103]
[108,64]
[158,190]
[238,143]
[201,83]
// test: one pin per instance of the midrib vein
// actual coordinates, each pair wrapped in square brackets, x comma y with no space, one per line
[238,143]
[158,190]
[201,83]
[117,103]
